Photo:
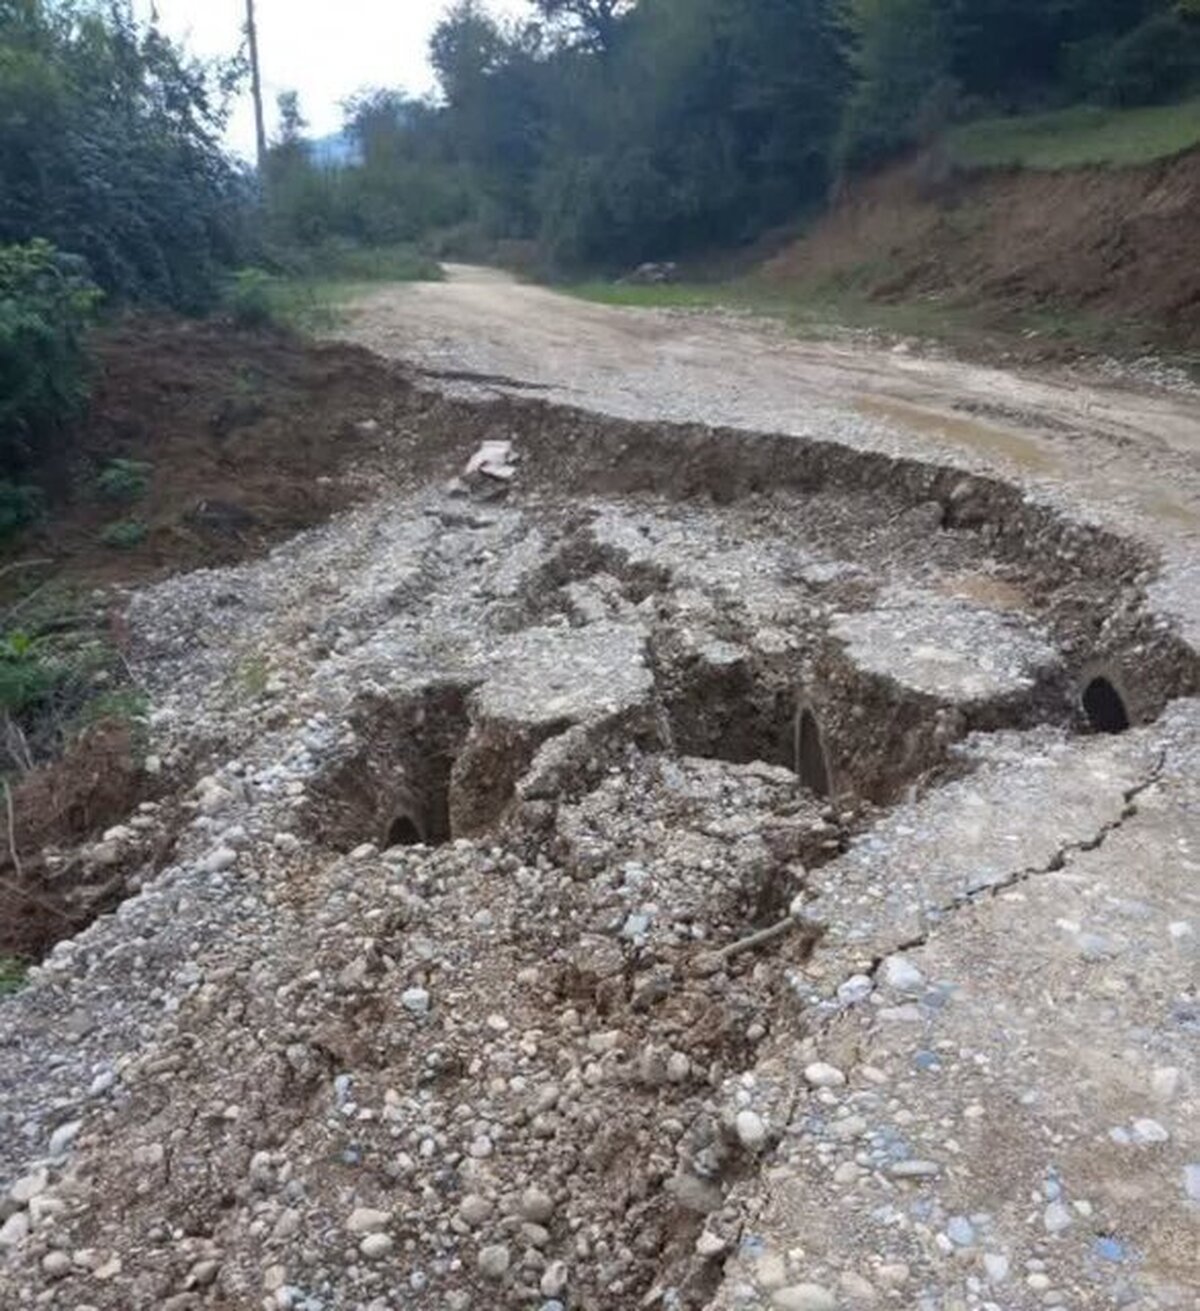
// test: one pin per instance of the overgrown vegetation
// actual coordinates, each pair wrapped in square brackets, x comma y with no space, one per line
[45,303]
[308,285]
[124,480]
[12,975]
[61,672]
[110,148]
[125,534]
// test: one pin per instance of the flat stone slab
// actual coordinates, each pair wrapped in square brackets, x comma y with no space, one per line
[566,675]
[945,647]
[1030,797]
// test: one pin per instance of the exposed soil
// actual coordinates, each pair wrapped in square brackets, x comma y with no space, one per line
[1103,242]
[252,436]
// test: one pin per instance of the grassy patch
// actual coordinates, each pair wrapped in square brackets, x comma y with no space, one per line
[1076,137]
[309,296]
[61,672]
[822,309]
[125,534]
[12,975]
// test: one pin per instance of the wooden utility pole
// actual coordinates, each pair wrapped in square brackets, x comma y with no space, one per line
[260,126]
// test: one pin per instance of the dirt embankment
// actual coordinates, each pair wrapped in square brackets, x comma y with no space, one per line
[1113,244]
[248,438]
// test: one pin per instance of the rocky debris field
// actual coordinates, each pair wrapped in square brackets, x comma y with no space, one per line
[691,875]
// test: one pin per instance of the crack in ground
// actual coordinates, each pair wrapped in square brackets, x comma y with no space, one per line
[1057,861]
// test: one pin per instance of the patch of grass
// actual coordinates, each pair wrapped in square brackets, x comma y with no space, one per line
[309,295]
[821,309]
[253,675]
[125,534]
[340,262]
[1077,137]
[13,975]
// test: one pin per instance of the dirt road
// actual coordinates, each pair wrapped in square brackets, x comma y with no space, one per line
[1121,450]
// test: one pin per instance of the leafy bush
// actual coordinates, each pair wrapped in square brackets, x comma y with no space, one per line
[124,480]
[20,504]
[46,302]
[27,674]
[250,298]
[1154,63]
[125,534]
[112,148]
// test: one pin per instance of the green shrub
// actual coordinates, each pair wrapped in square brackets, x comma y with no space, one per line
[20,505]
[125,534]
[250,298]
[27,674]
[124,480]
[1154,63]
[46,302]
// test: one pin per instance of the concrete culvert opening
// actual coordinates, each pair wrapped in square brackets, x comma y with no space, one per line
[404,833]
[393,789]
[811,762]
[1104,707]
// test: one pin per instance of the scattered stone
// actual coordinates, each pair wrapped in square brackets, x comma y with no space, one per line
[900,974]
[29,1186]
[821,1075]
[415,1000]
[855,990]
[14,1231]
[804,1297]
[364,1220]
[475,1210]
[376,1245]
[709,1244]
[914,1169]
[751,1131]
[960,1231]
[56,1265]
[537,1205]
[64,1136]
[1149,1133]
[493,1261]
[996,1266]
[555,1279]
[1056,1218]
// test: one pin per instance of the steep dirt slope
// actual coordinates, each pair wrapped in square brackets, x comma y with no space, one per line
[1114,243]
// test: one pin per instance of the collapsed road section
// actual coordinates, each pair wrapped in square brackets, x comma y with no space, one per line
[706,870]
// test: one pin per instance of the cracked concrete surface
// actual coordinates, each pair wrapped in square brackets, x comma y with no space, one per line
[1018,1120]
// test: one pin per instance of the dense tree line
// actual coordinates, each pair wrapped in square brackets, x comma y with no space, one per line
[113,183]
[111,148]
[612,131]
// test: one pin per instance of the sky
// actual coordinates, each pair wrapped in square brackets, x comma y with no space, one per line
[324,49]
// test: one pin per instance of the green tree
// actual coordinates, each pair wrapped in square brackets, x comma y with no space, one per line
[903,62]
[110,147]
